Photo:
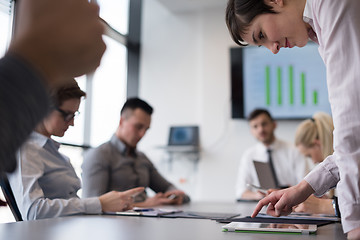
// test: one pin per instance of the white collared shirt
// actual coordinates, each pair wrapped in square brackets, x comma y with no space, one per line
[337,26]
[290,166]
[45,184]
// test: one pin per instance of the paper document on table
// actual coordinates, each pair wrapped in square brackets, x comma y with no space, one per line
[147,212]
[203,215]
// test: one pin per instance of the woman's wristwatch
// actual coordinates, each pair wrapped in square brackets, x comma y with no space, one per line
[336,206]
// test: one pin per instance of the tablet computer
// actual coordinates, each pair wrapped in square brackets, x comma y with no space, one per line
[265,175]
[252,227]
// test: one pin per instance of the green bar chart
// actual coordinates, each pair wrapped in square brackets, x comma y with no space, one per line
[290,84]
[267,85]
[291,91]
[303,94]
[315,97]
[279,87]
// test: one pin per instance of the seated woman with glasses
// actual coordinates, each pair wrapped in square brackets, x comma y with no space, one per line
[45,184]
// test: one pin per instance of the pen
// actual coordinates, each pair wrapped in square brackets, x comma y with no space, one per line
[134,195]
[172,196]
[112,32]
[264,191]
[169,212]
[143,209]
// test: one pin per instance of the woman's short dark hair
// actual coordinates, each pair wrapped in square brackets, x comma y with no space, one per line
[65,92]
[240,13]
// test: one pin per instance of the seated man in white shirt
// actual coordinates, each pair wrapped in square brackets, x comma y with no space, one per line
[288,164]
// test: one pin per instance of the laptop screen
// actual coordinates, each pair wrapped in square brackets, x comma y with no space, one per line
[184,135]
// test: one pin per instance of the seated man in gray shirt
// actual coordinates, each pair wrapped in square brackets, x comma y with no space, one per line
[118,165]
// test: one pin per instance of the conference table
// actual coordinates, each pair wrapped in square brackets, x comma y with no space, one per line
[108,227]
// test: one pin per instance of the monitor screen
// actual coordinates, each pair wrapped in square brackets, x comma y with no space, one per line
[290,84]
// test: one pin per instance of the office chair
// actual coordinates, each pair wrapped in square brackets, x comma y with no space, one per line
[9,196]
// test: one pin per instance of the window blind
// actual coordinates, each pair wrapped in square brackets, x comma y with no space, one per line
[6,6]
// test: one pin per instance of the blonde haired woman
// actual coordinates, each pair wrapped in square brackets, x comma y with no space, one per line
[314,139]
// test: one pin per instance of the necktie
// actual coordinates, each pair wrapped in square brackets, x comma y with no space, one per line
[272,167]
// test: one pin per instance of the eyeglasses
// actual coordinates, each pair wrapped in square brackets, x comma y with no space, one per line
[67,116]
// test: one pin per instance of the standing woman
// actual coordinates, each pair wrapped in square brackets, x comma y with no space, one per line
[335,26]
[314,139]
[45,184]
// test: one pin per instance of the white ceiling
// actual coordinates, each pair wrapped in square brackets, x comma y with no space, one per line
[192,5]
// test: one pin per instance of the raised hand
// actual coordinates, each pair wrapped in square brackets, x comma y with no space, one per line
[60,39]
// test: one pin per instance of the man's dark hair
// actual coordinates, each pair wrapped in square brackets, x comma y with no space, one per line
[239,14]
[134,103]
[255,113]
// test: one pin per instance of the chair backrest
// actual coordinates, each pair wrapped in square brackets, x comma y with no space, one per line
[9,197]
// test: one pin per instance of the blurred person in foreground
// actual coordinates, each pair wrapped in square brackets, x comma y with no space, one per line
[53,41]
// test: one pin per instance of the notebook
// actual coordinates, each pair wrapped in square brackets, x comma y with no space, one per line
[173,213]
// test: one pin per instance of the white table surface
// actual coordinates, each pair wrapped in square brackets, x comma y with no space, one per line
[102,227]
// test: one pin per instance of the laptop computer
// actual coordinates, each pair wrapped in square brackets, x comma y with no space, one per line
[184,138]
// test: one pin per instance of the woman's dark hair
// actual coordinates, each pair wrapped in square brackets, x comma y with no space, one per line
[240,13]
[67,91]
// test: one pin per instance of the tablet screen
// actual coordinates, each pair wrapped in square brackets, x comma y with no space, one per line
[270,227]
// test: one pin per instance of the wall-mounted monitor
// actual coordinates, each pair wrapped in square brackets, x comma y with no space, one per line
[290,84]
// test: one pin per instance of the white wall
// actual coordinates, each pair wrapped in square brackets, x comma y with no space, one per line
[185,76]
